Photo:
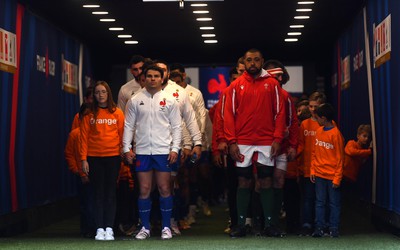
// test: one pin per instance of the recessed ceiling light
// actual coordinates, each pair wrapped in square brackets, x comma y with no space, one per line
[204,19]
[124,36]
[210,41]
[201,12]
[207,28]
[107,20]
[131,42]
[198,5]
[294,33]
[99,12]
[116,28]
[303,10]
[91,6]
[297,26]
[208,35]
[301,17]
[306,2]
[291,40]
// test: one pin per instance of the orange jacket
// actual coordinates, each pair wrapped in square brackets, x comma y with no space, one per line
[328,155]
[355,156]
[307,133]
[72,154]
[125,174]
[102,137]
[75,122]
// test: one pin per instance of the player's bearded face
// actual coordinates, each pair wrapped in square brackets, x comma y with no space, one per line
[253,63]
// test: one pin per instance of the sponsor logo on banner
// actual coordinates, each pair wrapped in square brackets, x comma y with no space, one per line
[8,51]
[45,65]
[345,72]
[69,76]
[382,45]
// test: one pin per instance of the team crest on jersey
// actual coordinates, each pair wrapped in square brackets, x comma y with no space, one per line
[176,94]
[163,103]
[191,94]
[266,85]
[141,103]
[241,86]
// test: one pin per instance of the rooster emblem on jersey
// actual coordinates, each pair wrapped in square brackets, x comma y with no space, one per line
[162,104]
[176,94]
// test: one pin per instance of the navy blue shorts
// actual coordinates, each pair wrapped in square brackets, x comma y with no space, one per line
[145,163]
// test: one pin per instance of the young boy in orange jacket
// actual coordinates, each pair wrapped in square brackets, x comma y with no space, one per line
[356,153]
[326,171]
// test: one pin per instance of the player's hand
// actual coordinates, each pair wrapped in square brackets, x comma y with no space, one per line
[234,152]
[275,149]
[172,157]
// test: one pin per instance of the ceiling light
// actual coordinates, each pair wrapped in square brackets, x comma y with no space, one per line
[124,36]
[210,41]
[204,19]
[297,26]
[303,10]
[99,12]
[306,2]
[116,28]
[91,6]
[201,12]
[301,17]
[294,33]
[207,28]
[208,35]
[291,40]
[131,42]
[107,20]
[198,5]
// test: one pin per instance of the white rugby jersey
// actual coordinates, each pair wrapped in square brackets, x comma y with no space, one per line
[126,92]
[189,118]
[157,123]
[197,101]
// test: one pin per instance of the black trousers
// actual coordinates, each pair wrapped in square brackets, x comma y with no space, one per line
[103,174]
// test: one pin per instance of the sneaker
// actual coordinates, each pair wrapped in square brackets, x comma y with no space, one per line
[143,234]
[305,231]
[100,234]
[174,228]
[237,232]
[318,233]
[273,231]
[166,233]
[109,234]
[334,233]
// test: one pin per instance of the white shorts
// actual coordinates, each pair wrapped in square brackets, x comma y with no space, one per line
[264,155]
[281,162]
